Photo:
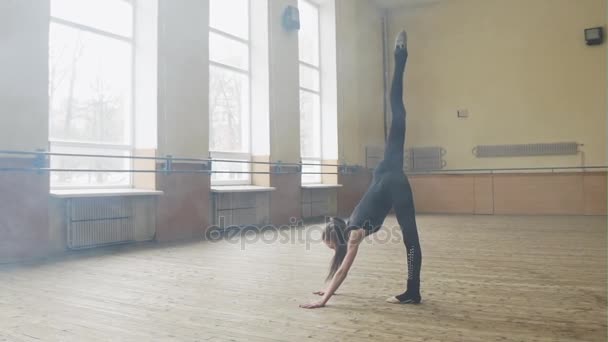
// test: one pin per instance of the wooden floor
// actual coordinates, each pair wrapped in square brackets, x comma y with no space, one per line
[484,279]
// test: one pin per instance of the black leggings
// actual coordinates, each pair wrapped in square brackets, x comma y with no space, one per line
[390,187]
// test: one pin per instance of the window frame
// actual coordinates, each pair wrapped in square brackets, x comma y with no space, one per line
[236,156]
[319,93]
[246,157]
[319,177]
[129,145]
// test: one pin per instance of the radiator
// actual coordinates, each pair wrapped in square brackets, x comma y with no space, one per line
[415,158]
[549,149]
[318,203]
[426,158]
[240,209]
[94,222]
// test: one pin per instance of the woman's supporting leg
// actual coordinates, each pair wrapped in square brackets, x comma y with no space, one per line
[403,203]
[393,154]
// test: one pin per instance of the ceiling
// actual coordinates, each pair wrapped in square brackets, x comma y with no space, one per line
[402,3]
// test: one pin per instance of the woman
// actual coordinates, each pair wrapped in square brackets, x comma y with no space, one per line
[389,188]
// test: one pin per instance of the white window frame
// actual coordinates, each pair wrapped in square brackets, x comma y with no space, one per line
[319,177]
[127,147]
[319,159]
[246,157]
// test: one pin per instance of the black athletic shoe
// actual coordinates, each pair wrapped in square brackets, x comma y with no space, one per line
[404,299]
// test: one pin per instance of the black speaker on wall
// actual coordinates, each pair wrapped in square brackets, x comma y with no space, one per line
[594,36]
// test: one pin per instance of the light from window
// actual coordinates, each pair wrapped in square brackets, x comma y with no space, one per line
[229,106]
[309,78]
[111,16]
[310,125]
[309,32]
[230,16]
[231,165]
[310,171]
[230,89]
[91,89]
[310,91]
[228,52]
[89,179]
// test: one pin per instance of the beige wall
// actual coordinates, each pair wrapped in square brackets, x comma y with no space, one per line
[522,69]
[360,80]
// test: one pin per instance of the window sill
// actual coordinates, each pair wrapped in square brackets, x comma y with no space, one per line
[240,188]
[83,193]
[321,186]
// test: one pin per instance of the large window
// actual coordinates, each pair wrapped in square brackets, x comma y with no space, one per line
[310,91]
[91,90]
[229,89]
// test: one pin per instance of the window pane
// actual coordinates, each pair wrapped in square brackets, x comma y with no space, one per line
[310,125]
[90,87]
[230,16]
[311,178]
[89,179]
[230,177]
[228,51]
[229,110]
[309,33]
[309,78]
[114,16]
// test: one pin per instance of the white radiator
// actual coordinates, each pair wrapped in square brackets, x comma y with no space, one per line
[240,209]
[318,203]
[93,222]
[524,150]
[415,158]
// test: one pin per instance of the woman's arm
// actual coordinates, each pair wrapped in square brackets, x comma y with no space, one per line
[354,241]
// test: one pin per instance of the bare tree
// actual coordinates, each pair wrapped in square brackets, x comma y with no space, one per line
[78,52]
[226,107]
[305,123]
[105,118]
[58,73]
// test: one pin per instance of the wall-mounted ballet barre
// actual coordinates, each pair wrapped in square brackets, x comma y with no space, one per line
[341,171]
[165,158]
[40,164]
[33,169]
[552,169]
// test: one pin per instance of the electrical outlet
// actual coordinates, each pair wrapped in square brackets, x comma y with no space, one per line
[463,113]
